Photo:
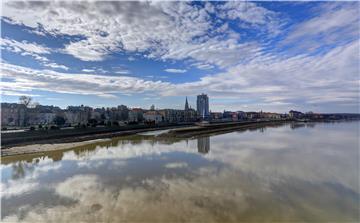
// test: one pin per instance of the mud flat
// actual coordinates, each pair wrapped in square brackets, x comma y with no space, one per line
[40,148]
[219,127]
[9,140]
[46,145]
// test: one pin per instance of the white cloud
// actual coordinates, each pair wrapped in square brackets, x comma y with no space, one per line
[56,66]
[306,80]
[17,93]
[271,82]
[171,70]
[250,71]
[122,72]
[24,46]
[27,79]
[35,50]
[181,31]
[250,15]
[88,70]
[203,66]
[15,188]
[233,189]
[334,23]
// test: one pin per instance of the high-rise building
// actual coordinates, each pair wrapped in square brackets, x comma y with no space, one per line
[202,106]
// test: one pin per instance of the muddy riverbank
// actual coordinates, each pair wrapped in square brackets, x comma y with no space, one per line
[40,146]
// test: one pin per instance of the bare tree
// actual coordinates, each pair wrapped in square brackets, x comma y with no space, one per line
[25,100]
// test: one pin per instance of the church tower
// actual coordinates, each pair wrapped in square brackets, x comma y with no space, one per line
[186,105]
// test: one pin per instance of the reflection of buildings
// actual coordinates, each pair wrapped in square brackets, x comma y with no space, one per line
[310,125]
[203,144]
[295,125]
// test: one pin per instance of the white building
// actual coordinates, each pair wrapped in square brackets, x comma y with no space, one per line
[153,116]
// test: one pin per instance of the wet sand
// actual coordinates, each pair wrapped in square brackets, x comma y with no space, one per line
[40,148]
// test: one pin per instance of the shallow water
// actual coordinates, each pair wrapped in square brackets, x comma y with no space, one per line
[291,172]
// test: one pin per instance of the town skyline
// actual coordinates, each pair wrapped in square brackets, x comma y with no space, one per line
[245,55]
[155,107]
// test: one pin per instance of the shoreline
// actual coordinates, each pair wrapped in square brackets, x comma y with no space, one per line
[9,140]
[49,145]
[221,127]
[42,148]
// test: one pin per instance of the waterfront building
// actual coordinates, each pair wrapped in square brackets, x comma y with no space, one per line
[227,115]
[189,113]
[12,114]
[136,115]
[202,106]
[173,115]
[77,114]
[241,115]
[270,115]
[253,115]
[153,116]
[295,114]
[119,113]
[216,115]
[42,115]
[123,112]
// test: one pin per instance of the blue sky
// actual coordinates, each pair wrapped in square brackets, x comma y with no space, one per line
[272,56]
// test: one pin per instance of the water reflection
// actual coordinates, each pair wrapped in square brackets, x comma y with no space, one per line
[203,144]
[270,174]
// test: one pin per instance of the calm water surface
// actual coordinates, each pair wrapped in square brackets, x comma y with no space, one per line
[289,172]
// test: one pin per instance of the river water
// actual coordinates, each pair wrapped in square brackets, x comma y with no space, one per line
[282,173]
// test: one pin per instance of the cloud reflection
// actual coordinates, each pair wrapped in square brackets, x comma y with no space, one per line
[150,179]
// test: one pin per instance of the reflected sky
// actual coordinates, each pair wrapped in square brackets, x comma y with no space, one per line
[282,173]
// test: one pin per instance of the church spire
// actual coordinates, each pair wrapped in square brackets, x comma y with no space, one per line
[186,105]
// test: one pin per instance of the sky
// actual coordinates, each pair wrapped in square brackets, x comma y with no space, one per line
[248,56]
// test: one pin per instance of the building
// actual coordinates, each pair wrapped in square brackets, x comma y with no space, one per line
[202,106]
[77,114]
[13,114]
[228,115]
[153,116]
[189,113]
[296,114]
[241,115]
[216,115]
[253,115]
[136,115]
[42,115]
[270,115]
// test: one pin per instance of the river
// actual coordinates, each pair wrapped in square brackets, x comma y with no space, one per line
[282,173]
